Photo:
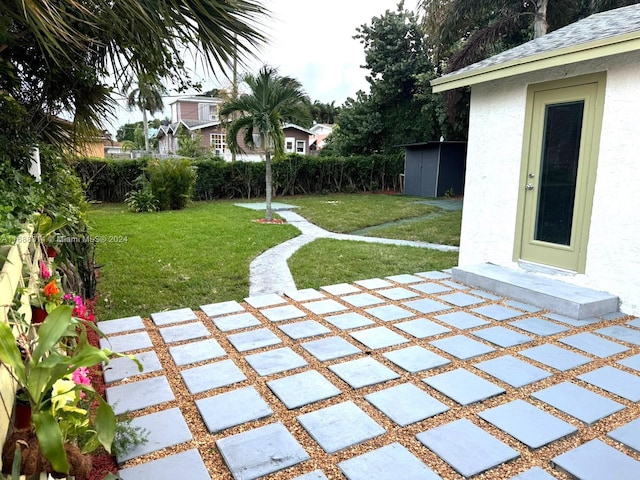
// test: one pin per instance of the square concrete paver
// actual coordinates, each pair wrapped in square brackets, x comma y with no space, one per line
[268,300]
[463,386]
[431,288]
[391,462]
[416,359]
[388,313]
[196,352]
[346,321]
[340,289]
[556,357]
[378,337]
[462,320]
[362,300]
[173,316]
[260,451]
[594,345]
[406,404]
[123,367]
[539,326]
[235,322]
[120,325]
[466,447]
[632,362]
[513,371]
[374,283]
[628,434]
[616,381]
[460,299]
[253,339]
[286,312]
[426,305]
[305,295]
[180,333]
[303,388]
[434,275]
[127,343]
[455,285]
[405,278]
[422,328]
[306,329]
[221,308]
[330,348]
[275,361]
[398,293]
[595,460]
[212,375]
[462,347]
[624,334]
[140,394]
[169,468]
[232,408]
[323,307]
[528,424]
[340,426]
[164,429]
[578,402]
[503,337]
[363,372]
[497,312]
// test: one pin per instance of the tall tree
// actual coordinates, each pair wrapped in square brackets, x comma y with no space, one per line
[147,97]
[272,100]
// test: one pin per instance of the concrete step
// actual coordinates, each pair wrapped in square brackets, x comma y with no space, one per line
[559,297]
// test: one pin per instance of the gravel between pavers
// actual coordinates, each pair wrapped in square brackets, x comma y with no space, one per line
[205,441]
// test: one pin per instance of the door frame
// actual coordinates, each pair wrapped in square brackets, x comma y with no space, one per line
[583,216]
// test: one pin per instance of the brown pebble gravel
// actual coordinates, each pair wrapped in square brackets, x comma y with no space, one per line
[328,463]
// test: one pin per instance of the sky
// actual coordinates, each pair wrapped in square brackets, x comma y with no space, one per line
[310,41]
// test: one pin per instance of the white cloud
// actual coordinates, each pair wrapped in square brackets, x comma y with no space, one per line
[312,42]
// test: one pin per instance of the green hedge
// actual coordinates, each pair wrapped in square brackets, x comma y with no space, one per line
[111,180]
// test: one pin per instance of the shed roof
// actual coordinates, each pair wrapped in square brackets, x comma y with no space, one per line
[599,35]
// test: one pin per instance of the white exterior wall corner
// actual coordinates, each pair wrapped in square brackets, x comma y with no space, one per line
[493,169]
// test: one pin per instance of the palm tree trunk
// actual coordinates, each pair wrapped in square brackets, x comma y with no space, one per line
[145,127]
[540,23]
[268,179]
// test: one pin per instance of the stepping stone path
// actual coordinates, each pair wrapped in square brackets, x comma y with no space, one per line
[479,380]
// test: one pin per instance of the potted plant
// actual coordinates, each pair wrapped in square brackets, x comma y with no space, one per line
[69,419]
[46,295]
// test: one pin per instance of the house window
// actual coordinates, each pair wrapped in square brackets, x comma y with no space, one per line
[289,144]
[207,112]
[300,147]
[219,143]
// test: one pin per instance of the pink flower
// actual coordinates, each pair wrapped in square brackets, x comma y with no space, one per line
[44,271]
[80,376]
[67,296]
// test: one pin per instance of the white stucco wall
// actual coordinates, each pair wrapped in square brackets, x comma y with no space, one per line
[493,168]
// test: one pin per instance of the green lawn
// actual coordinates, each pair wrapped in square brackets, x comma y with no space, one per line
[177,259]
[443,229]
[327,262]
[167,260]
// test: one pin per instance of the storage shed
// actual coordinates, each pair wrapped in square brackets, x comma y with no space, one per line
[432,169]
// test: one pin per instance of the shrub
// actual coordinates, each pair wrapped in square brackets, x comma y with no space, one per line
[141,201]
[171,182]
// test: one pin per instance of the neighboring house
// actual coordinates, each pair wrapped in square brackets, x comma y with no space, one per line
[554,156]
[320,132]
[296,139]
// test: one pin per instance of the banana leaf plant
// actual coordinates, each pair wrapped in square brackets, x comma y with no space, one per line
[59,347]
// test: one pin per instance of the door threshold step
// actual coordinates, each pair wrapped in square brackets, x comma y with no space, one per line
[557,296]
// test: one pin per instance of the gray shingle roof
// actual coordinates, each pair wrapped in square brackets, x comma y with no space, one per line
[599,26]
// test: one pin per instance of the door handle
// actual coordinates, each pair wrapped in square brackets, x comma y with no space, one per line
[528,186]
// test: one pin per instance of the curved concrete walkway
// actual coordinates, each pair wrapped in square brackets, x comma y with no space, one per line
[269,272]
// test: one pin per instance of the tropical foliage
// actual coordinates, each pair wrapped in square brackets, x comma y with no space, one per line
[273,101]
[147,97]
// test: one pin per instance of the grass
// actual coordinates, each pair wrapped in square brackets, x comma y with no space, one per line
[327,262]
[347,213]
[443,229]
[157,261]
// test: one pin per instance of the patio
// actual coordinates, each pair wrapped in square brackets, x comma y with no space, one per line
[411,376]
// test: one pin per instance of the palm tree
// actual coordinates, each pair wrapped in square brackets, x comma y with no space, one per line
[147,97]
[272,101]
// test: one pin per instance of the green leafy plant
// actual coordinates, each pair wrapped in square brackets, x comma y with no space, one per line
[171,182]
[44,368]
[127,436]
[141,200]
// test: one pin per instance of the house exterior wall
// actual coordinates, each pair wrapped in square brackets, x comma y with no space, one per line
[493,169]
[296,135]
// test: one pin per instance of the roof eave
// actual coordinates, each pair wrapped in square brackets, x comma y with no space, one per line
[577,53]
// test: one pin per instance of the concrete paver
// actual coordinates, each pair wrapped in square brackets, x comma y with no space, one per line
[422,328]
[180,333]
[306,329]
[127,342]
[236,407]
[615,381]
[195,352]
[346,321]
[502,336]
[389,313]
[462,320]
[323,307]
[406,404]
[594,345]
[121,325]
[173,316]
[169,468]
[123,367]
[416,359]
[596,460]
[303,388]
[330,348]
[362,300]
[397,293]
[221,308]
[539,326]
[275,361]
[288,312]
[236,322]
[462,347]
[556,357]
[212,375]
[463,386]
[628,434]
[513,371]
[138,395]
[363,372]
[253,339]
[378,337]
